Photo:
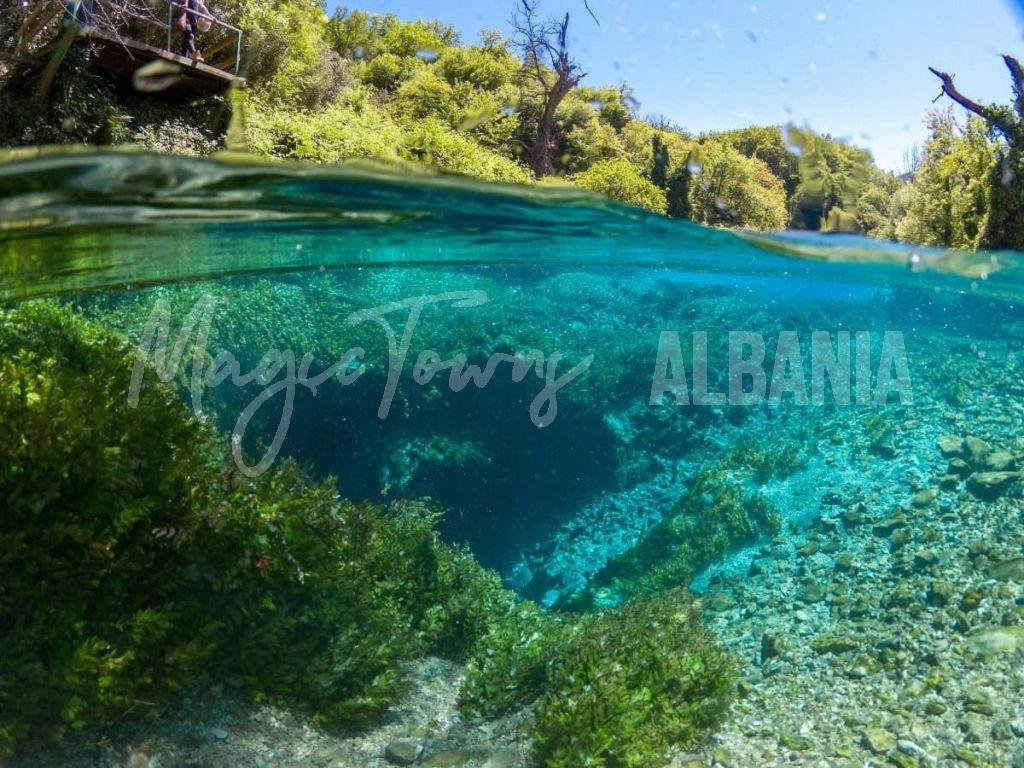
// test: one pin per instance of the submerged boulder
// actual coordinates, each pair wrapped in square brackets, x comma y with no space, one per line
[990,485]
[951,446]
[997,640]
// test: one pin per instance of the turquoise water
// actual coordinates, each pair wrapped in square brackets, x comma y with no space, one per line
[560,485]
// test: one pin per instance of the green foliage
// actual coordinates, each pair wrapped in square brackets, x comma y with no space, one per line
[727,188]
[621,180]
[714,516]
[135,559]
[488,68]
[631,685]
[768,144]
[948,201]
[510,667]
[338,133]
[384,72]
[287,55]
[431,141]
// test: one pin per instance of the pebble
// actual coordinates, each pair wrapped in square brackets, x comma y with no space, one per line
[403,752]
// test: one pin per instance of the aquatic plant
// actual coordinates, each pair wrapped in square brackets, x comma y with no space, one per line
[630,684]
[765,461]
[136,560]
[714,516]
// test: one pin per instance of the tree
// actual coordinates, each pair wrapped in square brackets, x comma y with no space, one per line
[727,188]
[947,204]
[1004,227]
[544,43]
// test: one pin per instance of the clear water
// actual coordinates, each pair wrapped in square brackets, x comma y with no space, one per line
[548,489]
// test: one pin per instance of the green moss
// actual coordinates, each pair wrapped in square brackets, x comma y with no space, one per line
[632,684]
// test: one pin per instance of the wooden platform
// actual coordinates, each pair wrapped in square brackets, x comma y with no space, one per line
[44,37]
[125,56]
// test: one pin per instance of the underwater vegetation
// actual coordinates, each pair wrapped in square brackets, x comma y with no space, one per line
[713,517]
[138,563]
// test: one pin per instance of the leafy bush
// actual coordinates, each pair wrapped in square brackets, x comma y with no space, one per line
[621,180]
[431,141]
[510,668]
[630,685]
[385,71]
[486,68]
[335,134]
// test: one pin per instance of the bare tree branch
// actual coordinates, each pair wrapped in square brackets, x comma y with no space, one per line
[991,116]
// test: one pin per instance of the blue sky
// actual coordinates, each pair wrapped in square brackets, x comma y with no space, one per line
[856,69]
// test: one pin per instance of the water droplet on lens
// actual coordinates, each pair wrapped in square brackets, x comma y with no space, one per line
[156,76]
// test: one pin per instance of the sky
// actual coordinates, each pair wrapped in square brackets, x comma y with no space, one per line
[855,69]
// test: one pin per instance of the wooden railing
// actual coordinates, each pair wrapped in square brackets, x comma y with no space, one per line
[174,7]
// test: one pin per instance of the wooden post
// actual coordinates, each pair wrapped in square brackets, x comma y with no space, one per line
[56,59]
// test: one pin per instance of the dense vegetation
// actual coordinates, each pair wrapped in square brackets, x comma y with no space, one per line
[327,88]
[137,562]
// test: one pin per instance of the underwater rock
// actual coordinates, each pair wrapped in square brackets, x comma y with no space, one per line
[772,646]
[450,758]
[925,497]
[979,701]
[1000,461]
[403,752]
[925,558]
[990,485]
[996,640]
[935,707]
[795,741]
[940,593]
[949,482]
[501,760]
[845,563]
[951,446]
[884,528]
[976,451]
[878,740]
[1008,570]
[834,644]
[959,467]
[808,549]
